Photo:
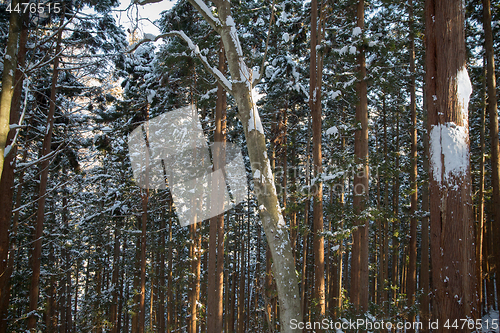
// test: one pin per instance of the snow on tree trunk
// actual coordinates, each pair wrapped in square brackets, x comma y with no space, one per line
[452,233]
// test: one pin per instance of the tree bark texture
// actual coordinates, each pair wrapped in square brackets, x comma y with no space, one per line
[452,231]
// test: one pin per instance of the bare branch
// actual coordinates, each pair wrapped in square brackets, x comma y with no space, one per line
[213,70]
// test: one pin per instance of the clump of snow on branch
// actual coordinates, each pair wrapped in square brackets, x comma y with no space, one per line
[449,151]
[332,131]
[356,31]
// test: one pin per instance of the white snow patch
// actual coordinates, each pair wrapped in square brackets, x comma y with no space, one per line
[149,36]
[332,131]
[464,90]
[286,37]
[234,35]
[449,151]
[7,151]
[151,95]
[356,31]
[352,50]
[256,175]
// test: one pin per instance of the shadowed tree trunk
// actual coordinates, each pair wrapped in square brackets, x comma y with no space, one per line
[216,245]
[493,113]
[6,184]
[359,270]
[44,166]
[424,265]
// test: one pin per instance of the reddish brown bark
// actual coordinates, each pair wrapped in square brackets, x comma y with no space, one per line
[6,184]
[411,281]
[495,148]
[452,231]
[359,270]
[317,188]
[216,245]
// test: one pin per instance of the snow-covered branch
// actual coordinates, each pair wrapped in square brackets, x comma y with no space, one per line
[203,9]
[213,70]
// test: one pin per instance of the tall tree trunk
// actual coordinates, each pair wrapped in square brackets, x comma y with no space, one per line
[452,230]
[493,113]
[424,265]
[7,186]
[51,305]
[385,225]
[114,280]
[396,246]
[412,268]
[136,286]
[317,188]
[480,203]
[216,245]
[37,240]
[194,292]
[170,290]
[142,295]
[161,277]
[241,296]
[359,270]
[9,68]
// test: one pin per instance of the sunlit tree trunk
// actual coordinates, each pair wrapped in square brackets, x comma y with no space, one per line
[317,188]
[9,68]
[412,267]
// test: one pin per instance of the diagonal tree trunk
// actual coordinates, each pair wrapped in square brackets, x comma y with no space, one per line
[271,215]
[272,218]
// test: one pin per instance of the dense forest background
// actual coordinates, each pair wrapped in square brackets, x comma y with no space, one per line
[342,93]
